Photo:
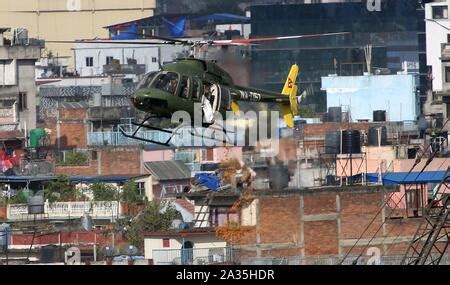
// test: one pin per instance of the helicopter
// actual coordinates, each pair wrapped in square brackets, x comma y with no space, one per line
[189,82]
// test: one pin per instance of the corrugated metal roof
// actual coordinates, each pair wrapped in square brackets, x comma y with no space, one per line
[168,170]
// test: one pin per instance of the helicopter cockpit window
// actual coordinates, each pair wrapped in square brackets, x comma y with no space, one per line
[196,89]
[167,82]
[184,87]
[145,82]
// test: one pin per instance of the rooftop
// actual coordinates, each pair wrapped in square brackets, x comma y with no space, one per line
[168,170]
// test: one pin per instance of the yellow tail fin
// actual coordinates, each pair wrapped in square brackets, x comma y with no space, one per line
[290,89]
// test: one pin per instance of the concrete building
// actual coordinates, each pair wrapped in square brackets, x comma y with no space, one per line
[396,94]
[94,59]
[396,36]
[70,19]
[437,33]
[18,87]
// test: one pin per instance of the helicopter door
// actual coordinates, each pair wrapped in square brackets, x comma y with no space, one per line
[208,112]
[215,96]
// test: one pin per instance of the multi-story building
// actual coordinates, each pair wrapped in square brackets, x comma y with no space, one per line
[396,34]
[70,19]
[18,87]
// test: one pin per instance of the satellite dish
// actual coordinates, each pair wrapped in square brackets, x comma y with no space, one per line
[130,250]
[109,251]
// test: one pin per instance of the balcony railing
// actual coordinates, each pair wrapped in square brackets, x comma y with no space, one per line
[195,256]
[66,210]
[116,138]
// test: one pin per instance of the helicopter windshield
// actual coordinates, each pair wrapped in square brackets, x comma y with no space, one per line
[167,82]
[145,82]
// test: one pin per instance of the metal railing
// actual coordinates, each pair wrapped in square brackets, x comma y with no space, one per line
[116,138]
[194,256]
[101,209]
[327,260]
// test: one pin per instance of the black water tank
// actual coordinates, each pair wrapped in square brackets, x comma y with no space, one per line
[379,116]
[299,127]
[377,136]
[279,177]
[36,205]
[333,142]
[351,142]
[50,254]
[335,114]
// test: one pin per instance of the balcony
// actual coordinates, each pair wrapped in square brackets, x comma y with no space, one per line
[66,210]
[117,139]
[195,256]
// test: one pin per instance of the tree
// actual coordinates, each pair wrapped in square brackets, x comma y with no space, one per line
[104,192]
[21,197]
[155,217]
[130,193]
[61,190]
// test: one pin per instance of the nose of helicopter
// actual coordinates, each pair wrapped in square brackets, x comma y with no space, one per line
[138,99]
[150,100]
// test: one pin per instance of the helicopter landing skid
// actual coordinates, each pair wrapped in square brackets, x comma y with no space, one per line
[144,125]
[172,132]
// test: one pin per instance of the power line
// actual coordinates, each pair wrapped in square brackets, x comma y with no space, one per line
[433,154]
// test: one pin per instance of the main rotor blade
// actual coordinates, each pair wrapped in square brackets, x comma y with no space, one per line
[151,37]
[248,41]
[112,42]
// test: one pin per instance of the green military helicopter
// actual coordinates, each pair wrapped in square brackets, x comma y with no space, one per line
[180,85]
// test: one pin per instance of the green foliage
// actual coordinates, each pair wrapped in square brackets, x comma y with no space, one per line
[75,158]
[104,192]
[130,193]
[61,190]
[21,197]
[150,220]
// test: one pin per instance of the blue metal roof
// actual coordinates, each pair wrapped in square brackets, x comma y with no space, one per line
[394,178]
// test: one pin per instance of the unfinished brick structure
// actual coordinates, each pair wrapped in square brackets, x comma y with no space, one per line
[325,221]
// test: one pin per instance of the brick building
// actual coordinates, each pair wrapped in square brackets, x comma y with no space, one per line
[325,221]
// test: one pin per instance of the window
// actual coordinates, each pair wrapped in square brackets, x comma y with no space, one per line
[141,188]
[145,82]
[221,216]
[154,59]
[448,38]
[94,155]
[109,60]
[196,89]
[167,82]
[22,102]
[184,87]
[89,61]
[166,242]
[440,12]
[447,74]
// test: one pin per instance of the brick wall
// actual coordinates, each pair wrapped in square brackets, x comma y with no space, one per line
[110,161]
[319,130]
[324,222]
[73,128]
[3,213]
